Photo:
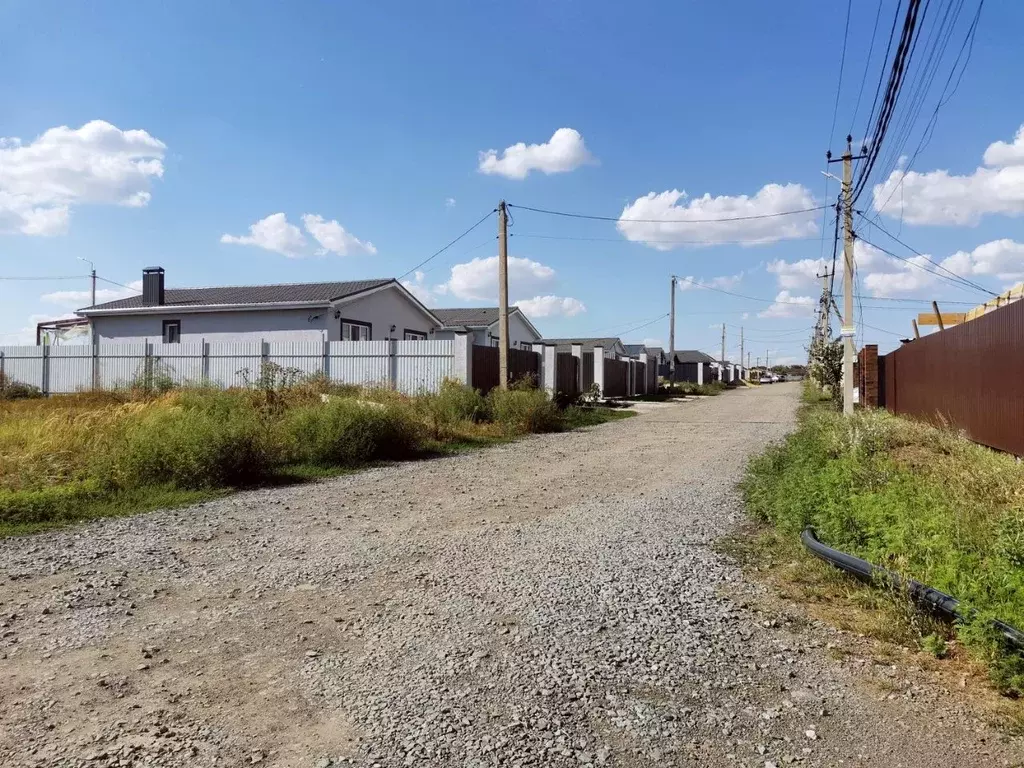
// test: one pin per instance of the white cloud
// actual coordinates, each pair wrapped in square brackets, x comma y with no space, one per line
[939,197]
[79,299]
[745,315]
[274,233]
[333,237]
[419,288]
[565,151]
[725,282]
[677,217]
[1002,259]
[1003,155]
[787,305]
[449,202]
[477,280]
[551,306]
[652,343]
[796,274]
[98,164]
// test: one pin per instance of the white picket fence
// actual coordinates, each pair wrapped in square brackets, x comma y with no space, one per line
[408,366]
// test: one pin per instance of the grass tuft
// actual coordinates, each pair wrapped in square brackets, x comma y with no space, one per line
[922,501]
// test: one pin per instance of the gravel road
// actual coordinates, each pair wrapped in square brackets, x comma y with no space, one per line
[552,602]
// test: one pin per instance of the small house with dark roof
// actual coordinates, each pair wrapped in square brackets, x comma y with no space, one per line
[481,323]
[612,346]
[695,366]
[354,310]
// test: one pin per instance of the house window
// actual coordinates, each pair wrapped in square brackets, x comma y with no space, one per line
[172,331]
[352,330]
[415,335]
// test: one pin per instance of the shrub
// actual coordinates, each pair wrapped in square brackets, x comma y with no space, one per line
[452,406]
[46,504]
[349,432]
[921,501]
[16,390]
[523,410]
[194,440]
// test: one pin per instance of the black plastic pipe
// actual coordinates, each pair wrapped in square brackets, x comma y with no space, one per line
[946,606]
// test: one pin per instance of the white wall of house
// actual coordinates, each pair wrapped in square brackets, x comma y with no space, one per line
[381,310]
[241,325]
[519,333]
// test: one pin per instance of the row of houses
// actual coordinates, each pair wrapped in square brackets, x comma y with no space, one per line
[358,310]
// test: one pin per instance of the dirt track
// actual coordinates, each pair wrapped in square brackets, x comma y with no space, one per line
[551,602]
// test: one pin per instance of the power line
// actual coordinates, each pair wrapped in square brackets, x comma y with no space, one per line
[120,285]
[929,130]
[842,64]
[52,277]
[742,296]
[867,63]
[637,328]
[665,221]
[897,77]
[649,240]
[438,252]
[950,272]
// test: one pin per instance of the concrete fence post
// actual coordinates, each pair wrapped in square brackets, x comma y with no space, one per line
[577,352]
[700,373]
[645,359]
[462,358]
[204,370]
[550,368]
[599,369]
[393,363]
[95,372]
[538,349]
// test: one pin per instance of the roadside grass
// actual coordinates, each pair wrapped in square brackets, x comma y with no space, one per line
[922,501]
[99,454]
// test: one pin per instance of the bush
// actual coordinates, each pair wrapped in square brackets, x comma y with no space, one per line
[523,410]
[16,390]
[195,440]
[349,432]
[46,504]
[450,408]
[921,501]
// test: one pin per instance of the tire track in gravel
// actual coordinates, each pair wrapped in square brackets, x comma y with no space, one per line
[555,601]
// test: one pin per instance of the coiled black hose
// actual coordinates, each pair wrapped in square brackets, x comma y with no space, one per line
[946,606]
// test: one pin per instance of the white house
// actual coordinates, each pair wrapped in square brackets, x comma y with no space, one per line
[482,325]
[357,310]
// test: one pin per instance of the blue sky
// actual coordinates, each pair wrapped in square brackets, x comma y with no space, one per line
[363,125]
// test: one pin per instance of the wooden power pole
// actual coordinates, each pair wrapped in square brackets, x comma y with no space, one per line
[741,352]
[672,331]
[723,353]
[502,295]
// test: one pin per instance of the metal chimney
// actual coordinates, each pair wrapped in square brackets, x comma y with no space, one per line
[153,286]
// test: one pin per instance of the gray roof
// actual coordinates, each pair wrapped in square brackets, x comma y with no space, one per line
[656,352]
[253,294]
[468,316]
[606,342]
[635,349]
[693,356]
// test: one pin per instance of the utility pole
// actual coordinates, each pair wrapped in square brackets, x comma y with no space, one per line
[741,352]
[722,369]
[502,295]
[92,303]
[847,331]
[672,331]
[748,363]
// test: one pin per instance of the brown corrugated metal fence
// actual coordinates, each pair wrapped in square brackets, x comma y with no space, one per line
[521,363]
[616,378]
[970,376]
[566,374]
[587,361]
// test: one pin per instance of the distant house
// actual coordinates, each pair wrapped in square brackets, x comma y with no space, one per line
[695,366]
[482,324]
[357,310]
[612,347]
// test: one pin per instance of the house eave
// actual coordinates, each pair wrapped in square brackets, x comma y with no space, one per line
[163,309]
